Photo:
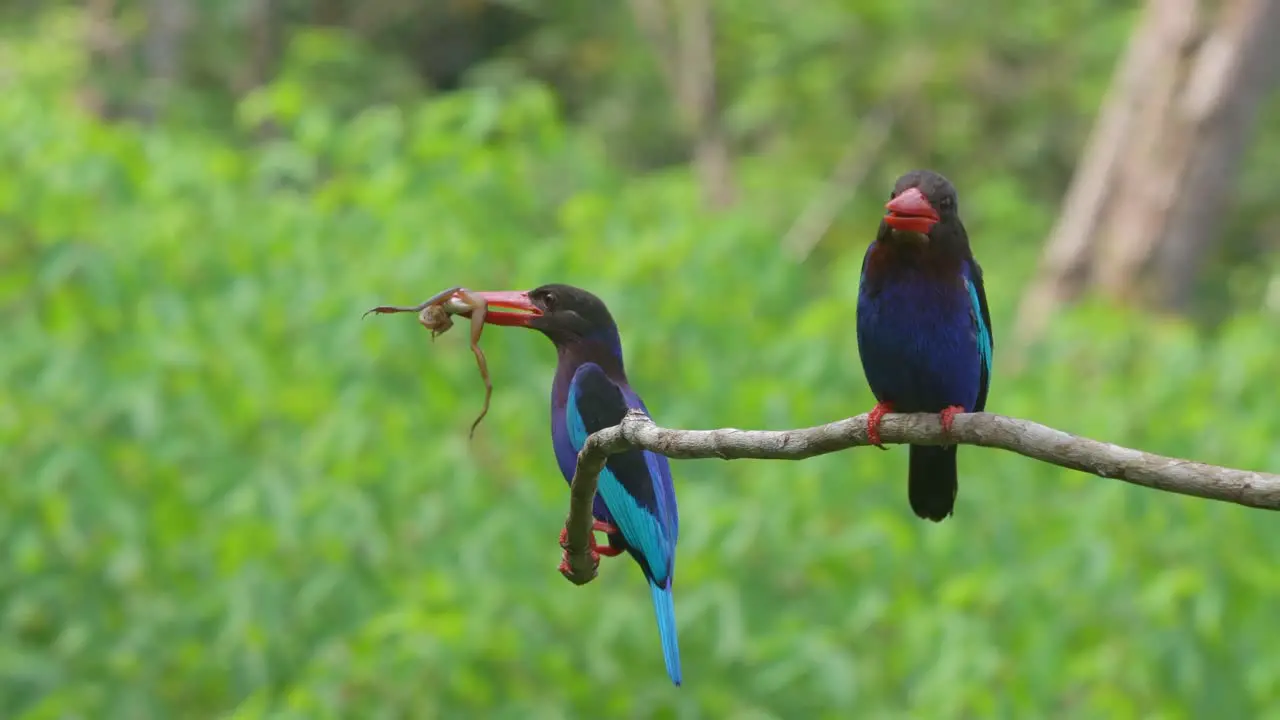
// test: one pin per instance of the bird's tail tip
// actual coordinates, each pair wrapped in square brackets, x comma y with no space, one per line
[931,481]
[665,609]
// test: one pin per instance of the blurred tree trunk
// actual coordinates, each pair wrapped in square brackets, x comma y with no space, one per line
[328,13]
[104,46]
[1156,178]
[265,40]
[166,26]
[450,39]
[265,30]
[685,54]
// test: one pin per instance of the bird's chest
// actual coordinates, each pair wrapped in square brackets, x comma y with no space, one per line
[562,442]
[917,311]
[918,341]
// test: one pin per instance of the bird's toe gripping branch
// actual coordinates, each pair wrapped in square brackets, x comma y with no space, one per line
[873,423]
[595,549]
[949,416]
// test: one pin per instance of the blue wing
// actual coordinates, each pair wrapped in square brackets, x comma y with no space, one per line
[627,483]
[660,470]
[982,324]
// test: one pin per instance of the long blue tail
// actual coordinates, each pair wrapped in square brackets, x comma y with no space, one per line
[665,608]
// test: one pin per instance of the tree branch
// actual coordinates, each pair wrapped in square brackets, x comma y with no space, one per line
[1243,487]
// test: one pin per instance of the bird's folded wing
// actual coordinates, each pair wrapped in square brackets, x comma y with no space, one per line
[596,403]
[982,326]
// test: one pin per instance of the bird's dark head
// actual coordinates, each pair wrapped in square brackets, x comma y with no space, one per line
[922,209]
[563,313]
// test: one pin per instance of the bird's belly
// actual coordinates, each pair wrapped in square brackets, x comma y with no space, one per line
[921,354]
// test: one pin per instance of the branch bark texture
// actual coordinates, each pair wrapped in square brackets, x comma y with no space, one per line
[1242,487]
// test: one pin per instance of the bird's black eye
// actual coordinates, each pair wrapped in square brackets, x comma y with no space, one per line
[548,300]
[948,202]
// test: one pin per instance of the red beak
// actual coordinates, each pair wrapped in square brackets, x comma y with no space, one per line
[911,212]
[510,308]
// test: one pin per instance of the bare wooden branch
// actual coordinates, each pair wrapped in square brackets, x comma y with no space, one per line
[1243,487]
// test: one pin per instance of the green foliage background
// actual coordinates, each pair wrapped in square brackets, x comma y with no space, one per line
[227,496]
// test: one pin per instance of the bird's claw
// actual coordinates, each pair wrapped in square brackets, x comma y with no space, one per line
[567,571]
[948,415]
[596,526]
[873,423]
[594,549]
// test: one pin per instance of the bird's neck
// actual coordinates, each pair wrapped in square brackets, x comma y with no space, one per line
[604,349]
[896,258]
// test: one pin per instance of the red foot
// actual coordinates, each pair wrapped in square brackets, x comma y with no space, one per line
[568,573]
[873,423]
[949,416]
[596,550]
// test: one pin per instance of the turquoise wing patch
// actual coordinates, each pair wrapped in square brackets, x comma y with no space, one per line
[626,487]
